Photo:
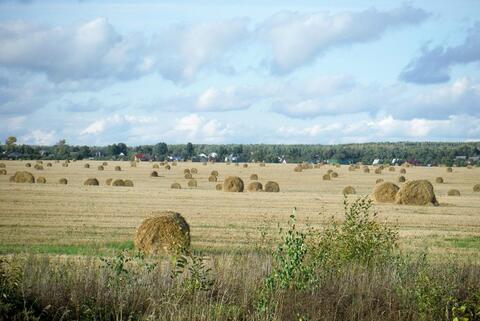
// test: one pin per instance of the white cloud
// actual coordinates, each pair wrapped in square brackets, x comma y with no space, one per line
[38,137]
[200,129]
[117,122]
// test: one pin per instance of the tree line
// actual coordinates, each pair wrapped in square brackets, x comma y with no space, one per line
[420,152]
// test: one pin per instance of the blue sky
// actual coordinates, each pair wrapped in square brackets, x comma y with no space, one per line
[224,72]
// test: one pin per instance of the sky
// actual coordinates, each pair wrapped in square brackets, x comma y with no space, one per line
[288,72]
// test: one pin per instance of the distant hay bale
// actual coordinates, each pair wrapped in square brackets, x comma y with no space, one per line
[87,165]
[91,181]
[298,168]
[12,179]
[63,181]
[449,169]
[254,177]
[214,173]
[128,183]
[133,164]
[155,166]
[108,181]
[23,177]
[174,163]
[118,168]
[349,190]
[49,164]
[38,167]
[28,165]
[255,187]
[439,180]
[164,232]
[162,163]
[272,187]
[2,165]
[326,177]
[245,165]
[334,174]
[192,183]
[403,171]
[318,165]
[385,192]
[391,169]
[41,180]
[65,165]
[416,192]
[100,168]
[454,192]
[219,187]
[194,171]
[175,186]
[329,171]
[167,167]
[186,171]
[233,184]
[39,161]
[104,163]
[401,179]
[118,182]
[212,178]
[476,188]
[262,164]
[237,164]
[351,168]
[57,161]
[188,176]
[204,163]
[366,170]
[469,166]
[378,170]
[154,174]
[379,180]
[3,171]
[381,167]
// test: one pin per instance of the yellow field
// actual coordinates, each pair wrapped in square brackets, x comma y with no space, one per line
[74,214]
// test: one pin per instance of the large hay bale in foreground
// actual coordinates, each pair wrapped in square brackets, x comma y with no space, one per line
[87,165]
[154,174]
[454,192]
[349,190]
[254,177]
[63,181]
[255,187]
[439,180]
[385,192]
[416,192]
[326,177]
[38,167]
[401,179]
[108,181]
[192,183]
[128,183]
[188,176]
[219,187]
[118,168]
[449,170]
[118,182]
[272,187]
[194,171]
[164,232]
[233,184]
[23,177]
[212,178]
[176,186]
[476,188]
[41,180]
[91,181]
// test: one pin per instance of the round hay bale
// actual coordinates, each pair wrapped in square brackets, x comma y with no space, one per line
[219,187]
[186,171]
[255,187]
[65,165]
[167,167]
[298,168]
[237,164]
[194,171]
[449,170]
[454,192]
[366,170]
[401,179]
[3,171]
[154,174]
[212,178]
[100,168]
[326,177]
[334,174]
[349,190]
[175,186]
[57,161]
[23,177]
[214,173]
[39,161]
[2,165]
[192,183]
[351,168]
[262,164]
[91,181]
[439,180]
[272,187]
[233,184]
[12,179]
[381,167]
[254,177]
[378,170]
[174,163]
[118,168]
[41,180]
[188,176]
[118,182]
[28,165]
[104,163]
[416,192]
[476,188]
[385,192]
[469,166]
[403,171]
[245,165]
[49,164]
[329,171]
[63,181]
[38,167]
[391,169]
[155,166]
[164,232]
[128,183]
[133,164]
[87,165]
[204,163]
[379,180]
[108,181]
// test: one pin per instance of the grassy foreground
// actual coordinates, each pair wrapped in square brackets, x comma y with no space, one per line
[350,270]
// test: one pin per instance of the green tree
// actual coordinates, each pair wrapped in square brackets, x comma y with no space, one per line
[190,150]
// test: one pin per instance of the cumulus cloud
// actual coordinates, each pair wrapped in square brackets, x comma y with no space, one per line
[39,137]
[433,64]
[122,122]
[200,129]
[297,39]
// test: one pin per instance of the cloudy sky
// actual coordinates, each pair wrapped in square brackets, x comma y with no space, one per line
[223,72]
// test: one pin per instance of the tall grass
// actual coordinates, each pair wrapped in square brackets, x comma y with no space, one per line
[349,271]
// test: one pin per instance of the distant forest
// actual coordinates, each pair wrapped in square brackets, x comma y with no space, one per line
[424,153]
